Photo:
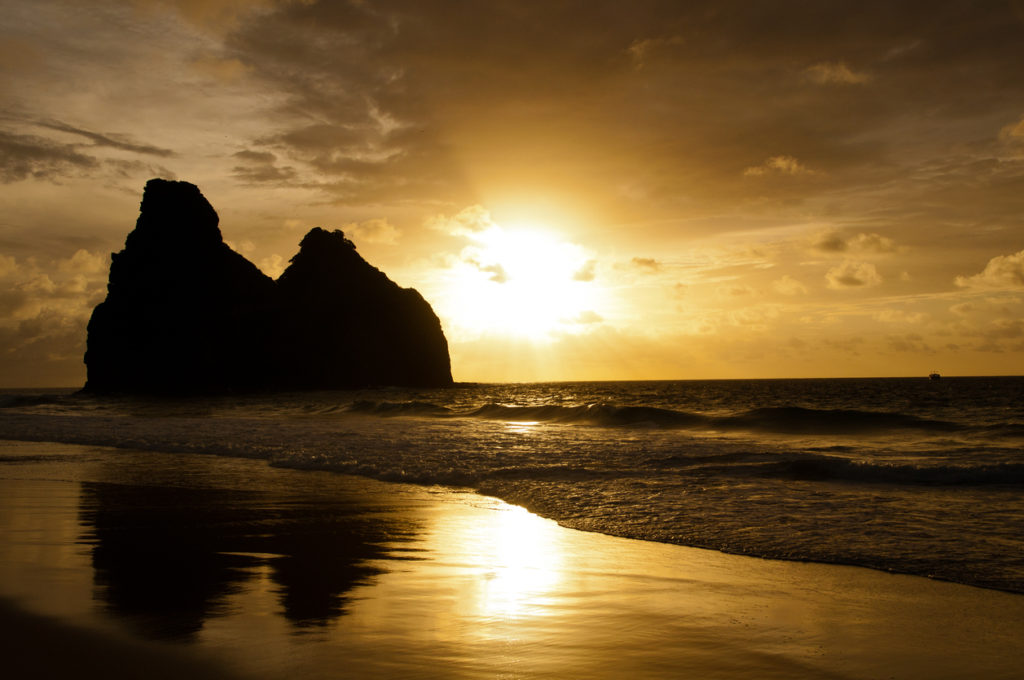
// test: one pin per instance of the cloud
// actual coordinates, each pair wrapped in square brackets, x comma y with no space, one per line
[261,167]
[911,342]
[782,165]
[873,243]
[900,316]
[44,308]
[113,141]
[830,242]
[835,72]
[586,272]
[8,265]
[82,262]
[468,221]
[853,275]
[214,15]
[1013,131]
[834,242]
[377,230]
[497,272]
[962,308]
[1001,272]
[273,265]
[127,169]
[787,285]
[24,156]
[647,264]
[399,117]
[1006,329]
[220,69]
[756,318]
[641,52]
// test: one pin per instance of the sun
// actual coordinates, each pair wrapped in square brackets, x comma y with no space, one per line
[523,281]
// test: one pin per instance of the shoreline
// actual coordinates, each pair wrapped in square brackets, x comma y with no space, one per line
[307,572]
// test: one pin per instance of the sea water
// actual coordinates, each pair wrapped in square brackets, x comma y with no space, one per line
[915,476]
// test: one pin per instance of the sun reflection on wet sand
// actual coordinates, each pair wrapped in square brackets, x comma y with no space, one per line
[518,557]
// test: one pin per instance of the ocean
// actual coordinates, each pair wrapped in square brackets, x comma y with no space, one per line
[907,475]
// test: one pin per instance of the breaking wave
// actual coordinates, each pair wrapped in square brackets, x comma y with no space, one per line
[783,420]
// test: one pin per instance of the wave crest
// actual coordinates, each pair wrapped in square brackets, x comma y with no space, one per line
[782,420]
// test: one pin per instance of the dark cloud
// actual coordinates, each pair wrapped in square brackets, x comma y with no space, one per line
[113,141]
[401,100]
[262,157]
[24,156]
[261,167]
[832,242]
[129,169]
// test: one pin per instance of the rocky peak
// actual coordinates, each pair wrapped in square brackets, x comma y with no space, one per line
[175,214]
[186,314]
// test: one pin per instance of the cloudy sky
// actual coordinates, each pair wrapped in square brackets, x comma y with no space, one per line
[583,190]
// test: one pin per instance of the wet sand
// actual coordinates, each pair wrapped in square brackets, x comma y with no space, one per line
[119,563]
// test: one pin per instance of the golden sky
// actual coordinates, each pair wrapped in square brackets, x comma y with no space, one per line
[583,190]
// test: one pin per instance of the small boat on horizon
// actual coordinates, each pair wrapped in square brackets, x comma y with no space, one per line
[934,375]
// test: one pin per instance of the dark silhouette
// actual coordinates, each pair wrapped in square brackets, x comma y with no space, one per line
[186,314]
[168,558]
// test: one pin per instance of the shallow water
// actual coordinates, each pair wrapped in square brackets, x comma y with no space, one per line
[907,475]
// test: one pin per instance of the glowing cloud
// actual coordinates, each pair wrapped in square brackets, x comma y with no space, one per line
[647,264]
[853,275]
[782,165]
[471,220]
[1001,272]
[377,230]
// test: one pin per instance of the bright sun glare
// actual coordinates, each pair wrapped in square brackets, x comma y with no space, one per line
[522,282]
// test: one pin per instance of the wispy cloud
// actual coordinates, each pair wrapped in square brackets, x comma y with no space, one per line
[787,285]
[835,72]
[782,165]
[647,264]
[113,141]
[835,242]
[261,167]
[24,156]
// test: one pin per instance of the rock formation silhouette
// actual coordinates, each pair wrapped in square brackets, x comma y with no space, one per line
[185,314]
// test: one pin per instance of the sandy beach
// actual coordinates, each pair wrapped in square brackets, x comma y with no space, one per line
[117,563]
